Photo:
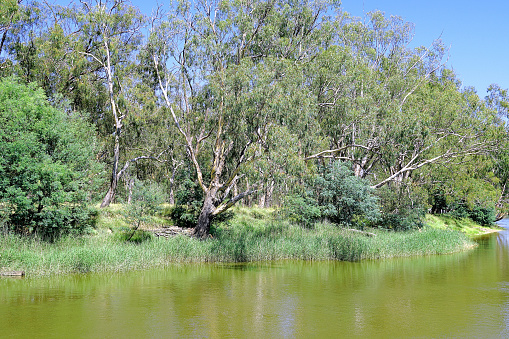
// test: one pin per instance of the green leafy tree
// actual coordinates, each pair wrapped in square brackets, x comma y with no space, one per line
[19,26]
[47,168]
[9,14]
[231,74]
[109,34]
[391,110]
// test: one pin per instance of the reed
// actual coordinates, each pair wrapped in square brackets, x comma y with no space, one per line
[246,239]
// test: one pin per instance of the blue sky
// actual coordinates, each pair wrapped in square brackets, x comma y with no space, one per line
[476,32]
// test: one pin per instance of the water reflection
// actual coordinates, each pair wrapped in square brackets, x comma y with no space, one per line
[503,237]
[461,295]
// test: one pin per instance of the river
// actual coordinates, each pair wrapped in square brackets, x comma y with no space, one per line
[464,295]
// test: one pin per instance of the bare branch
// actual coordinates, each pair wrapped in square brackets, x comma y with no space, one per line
[223,207]
[326,153]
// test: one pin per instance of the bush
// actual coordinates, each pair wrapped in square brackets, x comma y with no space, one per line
[337,195]
[401,222]
[183,216]
[301,210]
[188,202]
[47,167]
[485,216]
[186,217]
[403,208]
[343,196]
[134,236]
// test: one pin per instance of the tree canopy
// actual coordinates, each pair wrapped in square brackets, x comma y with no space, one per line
[248,101]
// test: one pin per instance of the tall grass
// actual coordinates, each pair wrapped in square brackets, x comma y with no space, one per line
[247,239]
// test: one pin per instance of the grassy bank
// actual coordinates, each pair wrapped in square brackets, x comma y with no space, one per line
[464,225]
[251,236]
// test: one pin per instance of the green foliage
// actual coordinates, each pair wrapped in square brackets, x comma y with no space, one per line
[47,168]
[243,240]
[403,208]
[258,90]
[187,217]
[146,200]
[188,202]
[183,216]
[403,221]
[483,215]
[134,236]
[464,225]
[471,195]
[337,196]
[343,196]
[302,210]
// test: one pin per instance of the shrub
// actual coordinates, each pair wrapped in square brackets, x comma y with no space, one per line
[485,216]
[301,210]
[186,217]
[47,167]
[401,222]
[337,195]
[343,196]
[188,203]
[134,236]
[183,216]
[403,208]
[145,202]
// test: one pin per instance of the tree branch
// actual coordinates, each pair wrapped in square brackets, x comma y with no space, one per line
[223,207]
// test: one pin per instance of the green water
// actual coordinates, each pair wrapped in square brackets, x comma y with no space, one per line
[463,295]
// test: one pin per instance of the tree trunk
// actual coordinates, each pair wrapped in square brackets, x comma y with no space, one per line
[268,198]
[248,199]
[130,185]
[202,228]
[172,183]
[261,202]
[110,195]
[172,196]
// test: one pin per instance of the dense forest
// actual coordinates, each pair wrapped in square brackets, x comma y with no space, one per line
[208,104]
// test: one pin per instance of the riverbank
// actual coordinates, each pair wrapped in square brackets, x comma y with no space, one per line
[251,236]
[464,225]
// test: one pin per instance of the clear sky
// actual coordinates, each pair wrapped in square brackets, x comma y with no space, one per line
[476,32]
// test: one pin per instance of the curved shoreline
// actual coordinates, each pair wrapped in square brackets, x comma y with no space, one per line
[244,240]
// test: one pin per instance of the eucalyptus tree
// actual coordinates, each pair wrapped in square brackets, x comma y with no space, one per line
[364,78]
[9,14]
[442,125]
[231,75]
[109,33]
[20,24]
[498,100]
[389,109]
